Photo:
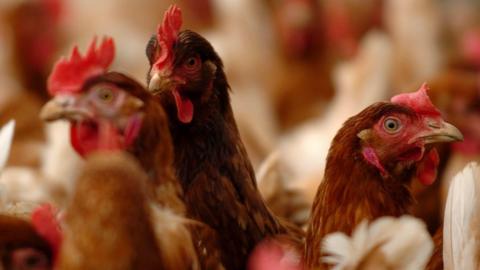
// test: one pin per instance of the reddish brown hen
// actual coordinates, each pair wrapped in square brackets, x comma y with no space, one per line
[93,99]
[108,112]
[371,163]
[104,231]
[217,177]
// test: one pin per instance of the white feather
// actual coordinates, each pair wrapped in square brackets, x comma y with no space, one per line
[415,28]
[460,231]
[6,137]
[358,83]
[403,243]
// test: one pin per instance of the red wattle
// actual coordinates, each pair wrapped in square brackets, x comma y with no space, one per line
[427,169]
[184,107]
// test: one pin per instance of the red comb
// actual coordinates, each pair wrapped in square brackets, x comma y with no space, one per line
[46,224]
[68,75]
[418,101]
[167,34]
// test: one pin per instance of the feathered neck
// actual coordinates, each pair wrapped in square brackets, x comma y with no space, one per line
[353,190]
[154,150]
[210,137]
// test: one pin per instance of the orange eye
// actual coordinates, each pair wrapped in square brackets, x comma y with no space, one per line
[392,125]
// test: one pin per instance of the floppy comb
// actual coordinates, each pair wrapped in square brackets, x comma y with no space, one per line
[68,75]
[418,101]
[167,34]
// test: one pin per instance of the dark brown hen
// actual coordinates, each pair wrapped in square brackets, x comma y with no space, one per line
[371,163]
[212,165]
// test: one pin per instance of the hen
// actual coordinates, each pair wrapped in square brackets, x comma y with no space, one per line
[110,111]
[106,232]
[371,163]
[97,101]
[218,180]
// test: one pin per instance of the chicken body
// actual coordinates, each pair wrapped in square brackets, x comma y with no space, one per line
[371,163]
[109,111]
[102,228]
[211,162]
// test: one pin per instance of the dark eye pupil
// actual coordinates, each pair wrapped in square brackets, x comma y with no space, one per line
[391,125]
[191,61]
[32,261]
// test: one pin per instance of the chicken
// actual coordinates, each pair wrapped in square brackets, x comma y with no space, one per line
[298,163]
[187,77]
[94,99]
[35,28]
[104,231]
[461,238]
[380,149]
[387,243]
[110,111]
[30,244]
[406,21]
[112,103]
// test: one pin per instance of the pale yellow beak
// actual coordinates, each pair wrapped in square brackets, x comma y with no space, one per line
[441,133]
[62,107]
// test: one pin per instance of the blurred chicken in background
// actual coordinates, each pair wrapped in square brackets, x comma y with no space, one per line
[298,69]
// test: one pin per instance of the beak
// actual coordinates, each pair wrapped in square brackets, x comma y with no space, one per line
[160,81]
[62,107]
[442,132]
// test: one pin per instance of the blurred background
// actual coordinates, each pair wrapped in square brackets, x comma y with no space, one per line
[297,68]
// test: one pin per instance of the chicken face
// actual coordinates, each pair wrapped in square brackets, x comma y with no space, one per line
[183,64]
[28,259]
[104,114]
[403,136]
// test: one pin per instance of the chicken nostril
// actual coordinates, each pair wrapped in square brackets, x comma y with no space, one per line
[434,125]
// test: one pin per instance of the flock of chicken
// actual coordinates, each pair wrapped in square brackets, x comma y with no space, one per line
[165,181]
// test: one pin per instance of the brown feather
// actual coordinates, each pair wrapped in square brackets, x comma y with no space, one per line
[109,225]
[212,164]
[352,189]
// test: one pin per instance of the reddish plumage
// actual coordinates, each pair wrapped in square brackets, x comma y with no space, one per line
[69,75]
[36,38]
[54,8]
[110,111]
[150,143]
[211,162]
[108,224]
[360,186]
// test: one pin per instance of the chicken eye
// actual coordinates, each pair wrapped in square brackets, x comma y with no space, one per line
[192,62]
[392,125]
[105,95]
